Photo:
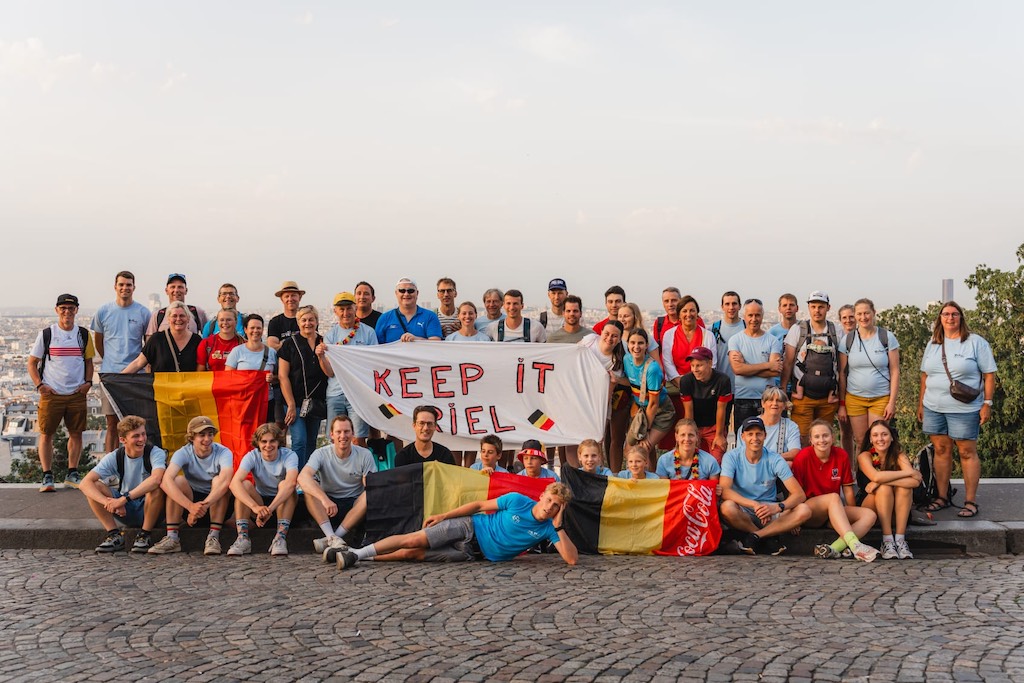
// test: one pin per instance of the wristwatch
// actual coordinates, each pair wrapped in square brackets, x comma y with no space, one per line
[127,496]
[988,402]
[782,506]
[559,528]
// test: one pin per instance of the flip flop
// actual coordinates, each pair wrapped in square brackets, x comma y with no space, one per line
[967,512]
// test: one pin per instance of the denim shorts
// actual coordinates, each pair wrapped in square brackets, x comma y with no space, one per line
[134,513]
[340,405]
[957,426]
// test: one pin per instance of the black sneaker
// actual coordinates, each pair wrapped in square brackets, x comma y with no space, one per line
[346,559]
[143,542]
[749,543]
[113,542]
[772,546]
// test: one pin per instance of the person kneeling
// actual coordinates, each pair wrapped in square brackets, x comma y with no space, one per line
[462,534]
[275,471]
[137,500]
[748,505]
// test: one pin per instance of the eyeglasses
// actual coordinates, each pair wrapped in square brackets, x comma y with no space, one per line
[421,423]
[406,291]
[949,315]
[753,301]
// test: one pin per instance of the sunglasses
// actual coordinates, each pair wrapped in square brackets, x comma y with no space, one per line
[753,301]
[406,291]
[175,275]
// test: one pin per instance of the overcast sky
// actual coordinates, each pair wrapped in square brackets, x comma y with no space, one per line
[868,149]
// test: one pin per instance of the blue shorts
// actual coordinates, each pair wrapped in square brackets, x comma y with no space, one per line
[340,405]
[134,513]
[957,426]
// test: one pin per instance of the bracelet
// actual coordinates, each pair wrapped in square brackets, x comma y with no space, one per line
[559,528]
[39,385]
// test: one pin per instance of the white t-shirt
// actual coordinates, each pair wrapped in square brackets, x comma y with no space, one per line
[64,370]
[537,333]
[592,342]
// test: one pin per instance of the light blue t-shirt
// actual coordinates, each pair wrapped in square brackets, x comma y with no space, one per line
[364,336]
[482,321]
[868,362]
[707,466]
[478,465]
[754,350]
[457,336]
[200,472]
[655,379]
[211,327]
[545,473]
[602,470]
[626,474]
[778,331]
[790,436]
[424,324]
[755,481]
[727,331]
[506,533]
[968,360]
[342,477]
[134,469]
[268,474]
[123,331]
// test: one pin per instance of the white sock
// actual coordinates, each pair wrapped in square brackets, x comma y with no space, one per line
[340,531]
[326,528]
[901,538]
[366,553]
[887,539]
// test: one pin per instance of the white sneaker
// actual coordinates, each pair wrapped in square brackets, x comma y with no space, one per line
[903,550]
[241,546]
[279,546]
[889,550]
[864,552]
[166,545]
[323,543]
[213,546]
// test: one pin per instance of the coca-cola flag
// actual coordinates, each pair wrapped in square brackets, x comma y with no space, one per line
[660,516]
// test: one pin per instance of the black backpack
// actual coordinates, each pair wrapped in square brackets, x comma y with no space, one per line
[526,330]
[191,309]
[83,342]
[928,491]
[147,461]
[883,336]
[818,368]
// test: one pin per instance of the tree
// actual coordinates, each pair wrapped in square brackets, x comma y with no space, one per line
[26,468]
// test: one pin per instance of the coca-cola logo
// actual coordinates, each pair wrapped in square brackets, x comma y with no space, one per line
[697,506]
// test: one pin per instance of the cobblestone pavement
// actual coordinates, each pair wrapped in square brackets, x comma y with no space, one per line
[70,615]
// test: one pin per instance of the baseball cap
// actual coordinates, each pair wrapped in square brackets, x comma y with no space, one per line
[200,424]
[752,423]
[344,298]
[176,276]
[67,300]
[699,353]
[818,295]
[557,283]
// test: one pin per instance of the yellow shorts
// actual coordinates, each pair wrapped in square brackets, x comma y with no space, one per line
[857,406]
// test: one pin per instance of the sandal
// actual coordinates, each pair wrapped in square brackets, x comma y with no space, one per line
[939,503]
[967,512]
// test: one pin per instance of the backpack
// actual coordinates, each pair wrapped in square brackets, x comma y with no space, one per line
[526,330]
[543,317]
[163,311]
[383,452]
[716,329]
[147,461]
[818,368]
[924,462]
[83,342]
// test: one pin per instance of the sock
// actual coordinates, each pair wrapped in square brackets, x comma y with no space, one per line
[172,531]
[901,538]
[340,531]
[851,539]
[887,539]
[839,545]
[366,553]
[72,469]
[242,526]
[215,530]
[46,472]
[327,528]
[282,527]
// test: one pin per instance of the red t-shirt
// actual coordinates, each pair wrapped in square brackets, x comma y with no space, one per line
[819,478]
[213,351]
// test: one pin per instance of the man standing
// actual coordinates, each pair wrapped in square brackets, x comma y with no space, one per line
[125,487]
[365,296]
[516,328]
[227,297]
[670,297]
[332,481]
[447,315]
[614,297]
[346,331]
[812,352]
[557,295]
[748,485]
[571,330]
[408,321]
[788,308]
[756,358]
[492,301]
[462,534]
[284,324]
[119,330]
[60,365]
[423,449]
[176,290]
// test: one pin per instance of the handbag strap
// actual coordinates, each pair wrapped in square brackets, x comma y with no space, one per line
[944,364]
[643,382]
[174,349]
[266,352]
[302,363]
[781,441]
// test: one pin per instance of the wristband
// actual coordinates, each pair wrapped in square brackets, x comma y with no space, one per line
[987,402]
[39,385]
[842,403]
[559,528]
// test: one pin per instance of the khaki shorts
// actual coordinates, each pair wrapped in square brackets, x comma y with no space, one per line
[857,406]
[71,409]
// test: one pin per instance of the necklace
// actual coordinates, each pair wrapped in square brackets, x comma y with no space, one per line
[694,466]
[351,334]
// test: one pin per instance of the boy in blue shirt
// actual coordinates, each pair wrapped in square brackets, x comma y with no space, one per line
[490,453]
[461,535]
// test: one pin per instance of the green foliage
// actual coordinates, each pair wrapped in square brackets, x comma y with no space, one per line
[26,469]
[999,318]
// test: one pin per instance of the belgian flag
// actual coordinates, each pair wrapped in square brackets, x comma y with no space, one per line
[236,401]
[609,515]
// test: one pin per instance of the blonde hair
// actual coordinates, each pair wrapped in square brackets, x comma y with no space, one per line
[592,443]
[561,491]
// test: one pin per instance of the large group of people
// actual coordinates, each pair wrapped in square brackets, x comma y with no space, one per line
[677,389]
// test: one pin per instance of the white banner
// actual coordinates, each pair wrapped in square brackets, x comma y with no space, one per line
[555,393]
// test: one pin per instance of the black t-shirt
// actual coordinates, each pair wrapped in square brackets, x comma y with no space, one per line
[161,355]
[705,395]
[282,327]
[409,455]
[315,379]
[371,319]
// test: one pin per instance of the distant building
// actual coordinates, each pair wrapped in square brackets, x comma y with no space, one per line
[947,290]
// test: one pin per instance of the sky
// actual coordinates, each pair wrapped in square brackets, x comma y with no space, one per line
[868,149]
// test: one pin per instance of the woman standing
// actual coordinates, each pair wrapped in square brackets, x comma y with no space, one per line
[255,355]
[303,383]
[953,412]
[173,350]
[214,350]
[632,319]
[649,395]
[682,339]
[887,481]
[869,372]
[467,325]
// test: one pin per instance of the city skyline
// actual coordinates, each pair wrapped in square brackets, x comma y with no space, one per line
[865,151]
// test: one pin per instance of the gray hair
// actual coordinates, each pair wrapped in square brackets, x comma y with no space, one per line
[772,391]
